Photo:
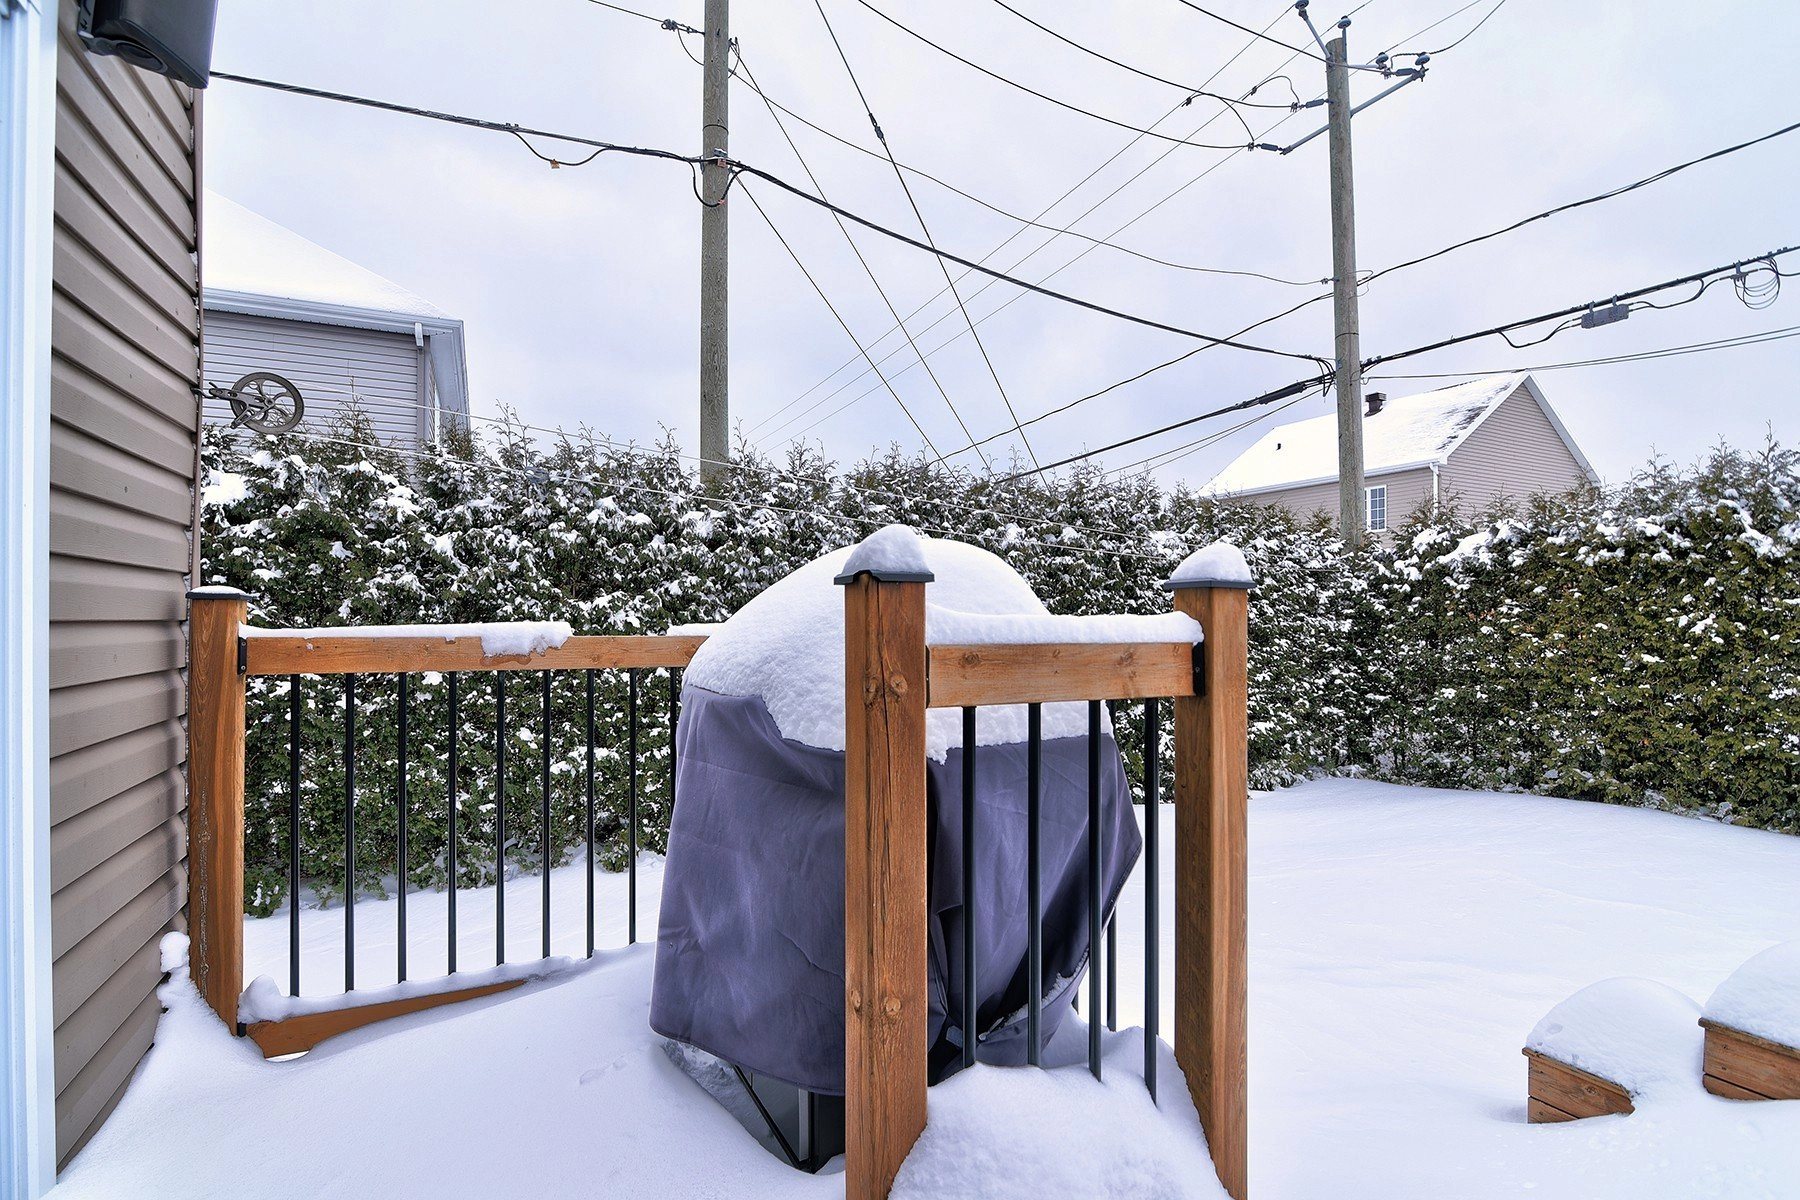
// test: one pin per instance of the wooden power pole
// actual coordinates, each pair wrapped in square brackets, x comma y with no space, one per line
[1352,519]
[715,335]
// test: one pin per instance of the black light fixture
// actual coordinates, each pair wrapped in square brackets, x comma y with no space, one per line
[169,37]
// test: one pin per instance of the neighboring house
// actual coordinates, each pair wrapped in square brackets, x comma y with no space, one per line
[99,366]
[1478,444]
[277,302]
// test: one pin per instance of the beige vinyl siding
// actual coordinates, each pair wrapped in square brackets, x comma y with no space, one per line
[1406,491]
[1515,454]
[125,361]
[328,363]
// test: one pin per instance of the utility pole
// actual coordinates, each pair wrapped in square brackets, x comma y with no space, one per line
[715,336]
[1352,520]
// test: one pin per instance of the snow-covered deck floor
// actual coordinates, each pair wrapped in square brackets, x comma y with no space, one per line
[1403,943]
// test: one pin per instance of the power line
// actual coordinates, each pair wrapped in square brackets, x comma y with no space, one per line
[1194,93]
[1731,343]
[840,320]
[664,22]
[1582,203]
[1033,91]
[1010,215]
[1253,33]
[1498,5]
[1045,244]
[1706,278]
[870,272]
[1130,379]
[1126,225]
[926,230]
[739,167]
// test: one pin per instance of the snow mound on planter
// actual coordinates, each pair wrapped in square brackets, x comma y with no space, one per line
[1762,997]
[786,646]
[1642,1035]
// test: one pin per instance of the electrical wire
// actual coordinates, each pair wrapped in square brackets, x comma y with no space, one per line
[693,162]
[1621,190]
[1303,53]
[1194,93]
[1041,246]
[664,22]
[926,230]
[1007,213]
[1498,5]
[1180,358]
[754,203]
[870,272]
[1077,258]
[1706,278]
[1086,112]
[1731,343]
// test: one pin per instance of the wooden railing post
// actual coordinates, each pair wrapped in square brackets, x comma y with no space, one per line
[885,941]
[216,798]
[1211,868]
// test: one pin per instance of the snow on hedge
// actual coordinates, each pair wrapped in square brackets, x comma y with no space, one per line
[1762,997]
[1640,1034]
[786,646]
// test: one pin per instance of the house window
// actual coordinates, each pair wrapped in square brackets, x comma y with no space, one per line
[1375,504]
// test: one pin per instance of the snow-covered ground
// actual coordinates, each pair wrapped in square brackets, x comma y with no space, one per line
[1404,943]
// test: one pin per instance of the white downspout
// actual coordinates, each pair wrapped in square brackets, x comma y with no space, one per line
[27,1024]
[1436,509]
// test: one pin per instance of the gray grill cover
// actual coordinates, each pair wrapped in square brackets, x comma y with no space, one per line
[750,952]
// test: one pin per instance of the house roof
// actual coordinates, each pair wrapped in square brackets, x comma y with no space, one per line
[246,254]
[1408,432]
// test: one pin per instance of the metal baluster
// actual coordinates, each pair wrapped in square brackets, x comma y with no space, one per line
[590,812]
[1034,955]
[1152,933]
[674,722]
[631,709]
[400,840]
[969,990]
[1095,899]
[349,833]
[455,728]
[1112,972]
[500,818]
[293,835]
[544,809]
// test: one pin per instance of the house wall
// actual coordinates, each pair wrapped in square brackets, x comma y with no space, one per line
[328,363]
[1406,491]
[1515,454]
[124,337]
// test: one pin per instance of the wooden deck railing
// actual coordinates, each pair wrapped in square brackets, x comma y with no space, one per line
[891,679]
[224,655]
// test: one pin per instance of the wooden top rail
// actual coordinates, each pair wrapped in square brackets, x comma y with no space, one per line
[349,654]
[1051,671]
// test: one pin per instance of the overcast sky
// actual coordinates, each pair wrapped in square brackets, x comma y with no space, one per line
[579,286]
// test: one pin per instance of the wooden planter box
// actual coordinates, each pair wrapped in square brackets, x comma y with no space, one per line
[1742,1066]
[1560,1092]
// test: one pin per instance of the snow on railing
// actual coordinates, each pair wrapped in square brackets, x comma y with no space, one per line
[227,653]
[894,675]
